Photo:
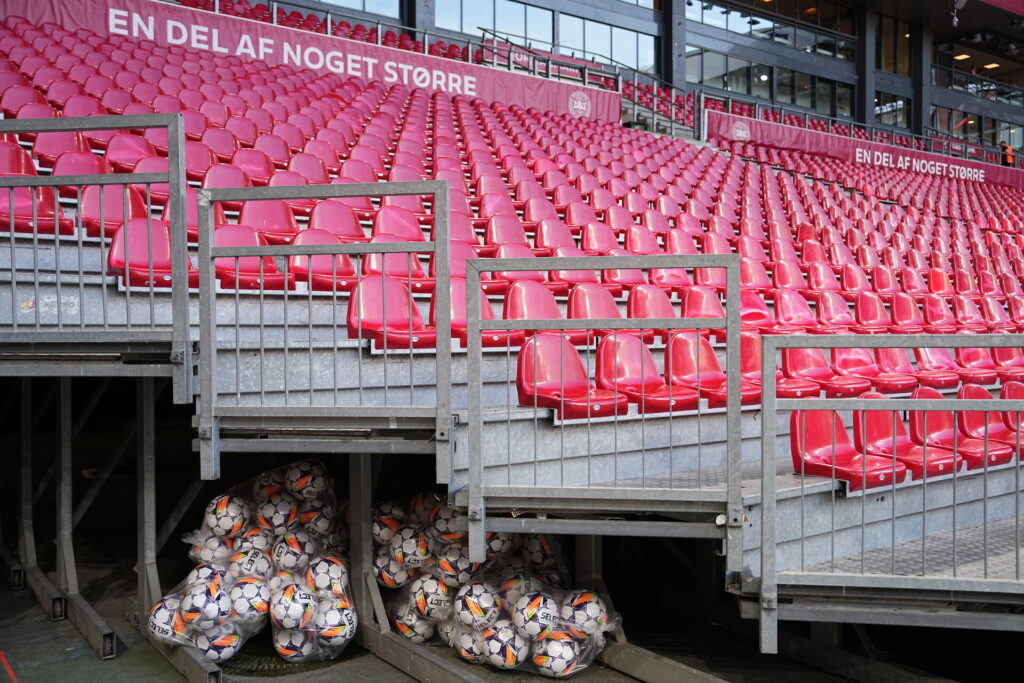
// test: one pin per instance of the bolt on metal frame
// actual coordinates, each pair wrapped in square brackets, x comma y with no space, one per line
[211,411]
[566,499]
[926,583]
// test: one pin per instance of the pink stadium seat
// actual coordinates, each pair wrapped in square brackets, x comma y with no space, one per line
[940,359]
[701,302]
[811,365]
[339,219]
[531,300]
[590,300]
[323,272]
[625,365]
[820,446]
[247,272]
[382,309]
[460,324]
[981,359]
[404,267]
[103,209]
[882,433]
[985,425]
[272,218]
[859,362]
[550,374]
[140,253]
[691,362]
[32,210]
[896,361]
[938,429]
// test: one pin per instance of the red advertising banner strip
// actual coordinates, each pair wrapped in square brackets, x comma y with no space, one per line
[166,24]
[722,126]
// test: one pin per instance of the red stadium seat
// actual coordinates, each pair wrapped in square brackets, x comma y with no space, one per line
[625,365]
[382,309]
[140,253]
[820,446]
[323,272]
[938,429]
[811,365]
[882,433]
[985,425]
[691,362]
[247,272]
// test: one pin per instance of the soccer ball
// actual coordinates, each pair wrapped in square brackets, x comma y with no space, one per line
[499,543]
[205,605]
[316,514]
[549,576]
[294,550]
[292,607]
[517,586]
[268,485]
[422,507]
[443,526]
[556,656]
[251,563]
[432,598]
[207,572]
[454,567]
[477,605]
[277,515]
[448,629]
[327,574]
[411,625]
[254,538]
[389,573]
[294,646]
[535,616]
[211,549]
[387,519]
[278,581]
[505,648]
[585,613]
[410,547]
[338,537]
[226,516]
[219,644]
[537,551]
[250,598]
[470,645]
[165,622]
[305,479]
[335,622]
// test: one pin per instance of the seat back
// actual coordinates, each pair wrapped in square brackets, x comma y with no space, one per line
[395,265]
[858,362]
[591,300]
[879,431]
[978,424]
[893,360]
[242,236]
[905,311]
[792,309]
[625,363]
[806,364]
[702,302]
[1012,391]
[549,362]
[395,220]
[528,300]
[140,243]
[325,265]
[379,303]
[819,436]
[690,359]
[338,219]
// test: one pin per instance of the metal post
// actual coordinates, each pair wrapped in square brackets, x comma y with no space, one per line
[769,624]
[146,569]
[734,446]
[181,346]
[476,513]
[208,431]
[359,511]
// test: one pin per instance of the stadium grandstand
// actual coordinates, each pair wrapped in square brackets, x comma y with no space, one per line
[492,332]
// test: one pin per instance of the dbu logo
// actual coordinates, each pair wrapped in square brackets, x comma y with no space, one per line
[579,104]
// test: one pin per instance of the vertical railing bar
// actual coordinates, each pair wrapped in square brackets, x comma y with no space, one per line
[832,496]
[13,252]
[956,433]
[57,211]
[984,505]
[149,242]
[103,236]
[284,323]
[103,253]
[309,316]
[236,315]
[334,331]
[408,275]
[35,251]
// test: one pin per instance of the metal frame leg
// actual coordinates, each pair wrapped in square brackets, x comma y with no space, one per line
[90,624]
[50,599]
[146,570]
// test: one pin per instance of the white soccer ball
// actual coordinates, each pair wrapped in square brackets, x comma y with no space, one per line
[556,656]
[387,519]
[388,572]
[448,629]
[443,525]
[278,515]
[317,514]
[422,508]
[410,547]
[499,543]
[219,644]
[207,572]
[295,646]
[477,605]
[518,585]
[165,622]
[279,580]
[250,599]
[537,550]
[226,516]
[292,607]
[251,563]
[505,648]
[536,616]
[215,549]
[327,575]
[454,567]
[306,479]
[205,605]
[268,485]
[294,550]
[411,625]
[335,622]
[254,538]
[584,613]
[337,539]
[469,645]
[431,597]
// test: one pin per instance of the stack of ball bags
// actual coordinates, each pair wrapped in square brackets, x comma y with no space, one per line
[271,548]
[513,612]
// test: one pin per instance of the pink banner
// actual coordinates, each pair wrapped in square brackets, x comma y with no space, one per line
[722,126]
[167,24]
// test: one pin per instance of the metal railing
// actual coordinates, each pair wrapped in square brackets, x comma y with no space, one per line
[979,86]
[60,295]
[901,533]
[274,353]
[580,457]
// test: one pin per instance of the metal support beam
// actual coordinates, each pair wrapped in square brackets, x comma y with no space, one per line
[360,482]
[90,624]
[178,513]
[648,666]
[606,527]
[148,576]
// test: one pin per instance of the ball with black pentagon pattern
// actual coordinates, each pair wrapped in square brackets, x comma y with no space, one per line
[387,571]
[505,648]
[203,606]
[306,479]
[536,616]
[410,547]
[219,643]
[454,567]
[292,607]
[295,645]
[335,622]
[477,605]
[226,516]
[557,656]
[278,515]
[584,613]
[250,599]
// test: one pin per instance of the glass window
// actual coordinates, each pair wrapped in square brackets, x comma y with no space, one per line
[844,99]
[509,17]
[624,46]
[846,19]
[784,85]
[693,10]
[846,49]
[448,14]
[716,15]
[804,86]
[893,110]
[739,75]
[828,15]
[783,33]
[692,64]
[570,33]
[761,27]
[388,8]
[539,27]
[823,96]
[903,48]
[350,4]
[805,40]
[647,55]
[598,40]
[477,14]
[739,22]
[761,81]
[714,70]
